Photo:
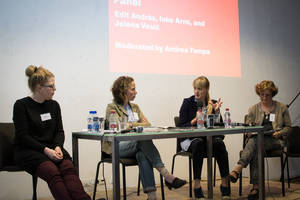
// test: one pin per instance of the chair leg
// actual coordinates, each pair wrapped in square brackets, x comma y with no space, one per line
[139,185]
[240,184]
[34,185]
[96,180]
[190,177]
[288,171]
[162,187]
[215,167]
[282,176]
[124,182]
[173,163]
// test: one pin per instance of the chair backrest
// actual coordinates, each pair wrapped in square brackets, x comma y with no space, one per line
[176,121]
[7,131]
[293,140]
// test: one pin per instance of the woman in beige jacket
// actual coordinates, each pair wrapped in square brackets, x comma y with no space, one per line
[274,116]
[145,152]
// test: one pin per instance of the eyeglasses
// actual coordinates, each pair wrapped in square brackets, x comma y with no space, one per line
[265,95]
[49,86]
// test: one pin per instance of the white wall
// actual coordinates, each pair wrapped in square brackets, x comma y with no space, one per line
[71,39]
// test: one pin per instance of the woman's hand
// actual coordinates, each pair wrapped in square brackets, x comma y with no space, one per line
[249,135]
[276,135]
[194,121]
[52,154]
[59,152]
[216,106]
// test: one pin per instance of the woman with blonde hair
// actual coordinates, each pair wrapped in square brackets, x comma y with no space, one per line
[39,138]
[275,118]
[188,117]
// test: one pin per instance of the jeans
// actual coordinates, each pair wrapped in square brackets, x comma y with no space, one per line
[147,157]
[198,149]
[249,154]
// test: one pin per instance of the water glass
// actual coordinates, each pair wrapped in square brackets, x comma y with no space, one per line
[101,124]
[210,121]
[217,118]
[123,123]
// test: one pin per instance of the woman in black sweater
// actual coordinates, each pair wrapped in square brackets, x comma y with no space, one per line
[39,138]
[188,117]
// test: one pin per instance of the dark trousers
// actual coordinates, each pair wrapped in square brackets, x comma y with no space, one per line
[62,180]
[198,149]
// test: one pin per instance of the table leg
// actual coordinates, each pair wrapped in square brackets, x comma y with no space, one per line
[75,153]
[261,165]
[116,169]
[209,167]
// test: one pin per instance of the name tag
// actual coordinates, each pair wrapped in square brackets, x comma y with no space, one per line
[45,117]
[272,117]
[136,117]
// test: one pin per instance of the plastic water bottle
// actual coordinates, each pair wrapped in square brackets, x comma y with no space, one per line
[200,119]
[227,120]
[112,122]
[95,127]
[90,121]
[93,122]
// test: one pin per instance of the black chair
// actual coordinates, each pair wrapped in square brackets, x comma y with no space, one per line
[268,154]
[190,156]
[7,163]
[292,148]
[125,162]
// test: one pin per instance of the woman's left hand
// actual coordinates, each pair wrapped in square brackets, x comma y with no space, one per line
[217,105]
[58,151]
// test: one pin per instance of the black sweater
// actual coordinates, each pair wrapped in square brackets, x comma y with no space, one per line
[37,125]
[33,132]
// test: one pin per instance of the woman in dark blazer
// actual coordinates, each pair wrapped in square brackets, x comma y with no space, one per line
[188,117]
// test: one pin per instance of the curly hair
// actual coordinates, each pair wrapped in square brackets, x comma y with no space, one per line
[266,85]
[120,88]
[37,75]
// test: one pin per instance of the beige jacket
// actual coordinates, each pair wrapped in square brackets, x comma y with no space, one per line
[120,112]
[282,122]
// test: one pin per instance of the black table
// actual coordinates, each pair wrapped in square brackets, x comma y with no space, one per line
[171,133]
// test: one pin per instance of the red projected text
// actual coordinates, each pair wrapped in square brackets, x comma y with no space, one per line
[195,37]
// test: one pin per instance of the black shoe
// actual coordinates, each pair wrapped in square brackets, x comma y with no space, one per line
[198,193]
[177,183]
[255,195]
[225,191]
[234,179]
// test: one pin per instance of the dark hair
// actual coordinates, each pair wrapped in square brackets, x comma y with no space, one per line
[120,88]
[266,85]
[37,75]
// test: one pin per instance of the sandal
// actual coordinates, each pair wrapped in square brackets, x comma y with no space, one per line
[232,178]
[254,196]
[198,193]
[225,191]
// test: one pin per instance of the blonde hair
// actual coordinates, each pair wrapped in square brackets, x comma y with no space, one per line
[203,83]
[37,75]
[266,85]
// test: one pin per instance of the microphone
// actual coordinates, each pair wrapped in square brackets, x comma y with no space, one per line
[128,130]
[241,124]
